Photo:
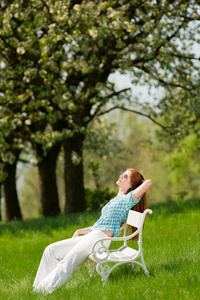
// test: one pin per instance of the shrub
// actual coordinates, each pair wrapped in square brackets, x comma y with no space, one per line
[98,198]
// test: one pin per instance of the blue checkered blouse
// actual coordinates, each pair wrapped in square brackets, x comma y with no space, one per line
[115,212]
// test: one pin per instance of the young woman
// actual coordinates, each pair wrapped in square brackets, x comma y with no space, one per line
[62,259]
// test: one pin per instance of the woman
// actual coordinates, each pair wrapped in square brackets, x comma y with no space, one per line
[62,259]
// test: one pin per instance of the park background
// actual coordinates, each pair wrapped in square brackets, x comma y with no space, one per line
[88,89]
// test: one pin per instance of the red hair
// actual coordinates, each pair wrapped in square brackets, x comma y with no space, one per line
[136,180]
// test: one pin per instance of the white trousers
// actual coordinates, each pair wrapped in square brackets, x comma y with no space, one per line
[62,259]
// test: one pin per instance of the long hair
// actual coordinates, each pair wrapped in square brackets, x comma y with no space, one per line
[136,180]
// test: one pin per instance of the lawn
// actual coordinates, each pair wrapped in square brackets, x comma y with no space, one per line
[171,249]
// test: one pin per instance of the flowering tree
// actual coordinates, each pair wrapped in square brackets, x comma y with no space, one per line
[56,57]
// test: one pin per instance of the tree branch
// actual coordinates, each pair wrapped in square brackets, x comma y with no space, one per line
[48,10]
[166,128]
[192,57]
[163,82]
[74,2]
[106,97]
[116,93]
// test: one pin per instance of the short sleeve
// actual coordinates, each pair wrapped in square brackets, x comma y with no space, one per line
[131,201]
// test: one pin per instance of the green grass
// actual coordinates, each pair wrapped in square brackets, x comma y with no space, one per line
[171,251]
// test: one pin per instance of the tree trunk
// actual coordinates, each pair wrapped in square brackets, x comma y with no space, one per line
[0,203]
[73,174]
[13,211]
[48,183]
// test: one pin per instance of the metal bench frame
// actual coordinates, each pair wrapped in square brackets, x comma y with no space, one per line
[101,255]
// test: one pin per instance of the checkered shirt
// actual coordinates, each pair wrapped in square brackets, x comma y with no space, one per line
[115,212]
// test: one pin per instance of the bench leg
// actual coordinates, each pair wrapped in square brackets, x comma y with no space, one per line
[91,265]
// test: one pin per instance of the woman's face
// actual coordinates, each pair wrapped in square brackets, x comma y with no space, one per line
[124,180]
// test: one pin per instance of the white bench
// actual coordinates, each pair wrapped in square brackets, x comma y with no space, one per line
[101,255]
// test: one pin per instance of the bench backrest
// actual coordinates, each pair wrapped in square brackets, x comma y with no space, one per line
[134,218]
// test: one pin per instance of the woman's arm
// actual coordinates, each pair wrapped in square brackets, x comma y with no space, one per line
[140,190]
[81,231]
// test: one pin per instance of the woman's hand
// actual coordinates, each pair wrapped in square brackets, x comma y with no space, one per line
[81,231]
[76,233]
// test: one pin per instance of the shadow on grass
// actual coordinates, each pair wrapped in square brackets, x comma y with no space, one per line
[175,207]
[178,265]
[124,273]
[80,219]
[173,266]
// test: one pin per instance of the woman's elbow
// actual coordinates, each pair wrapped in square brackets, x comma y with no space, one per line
[148,183]
[141,189]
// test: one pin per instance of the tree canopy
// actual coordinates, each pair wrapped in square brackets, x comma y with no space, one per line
[56,58]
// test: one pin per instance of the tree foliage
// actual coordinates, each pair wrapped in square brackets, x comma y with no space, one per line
[183,163]
[56,58]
